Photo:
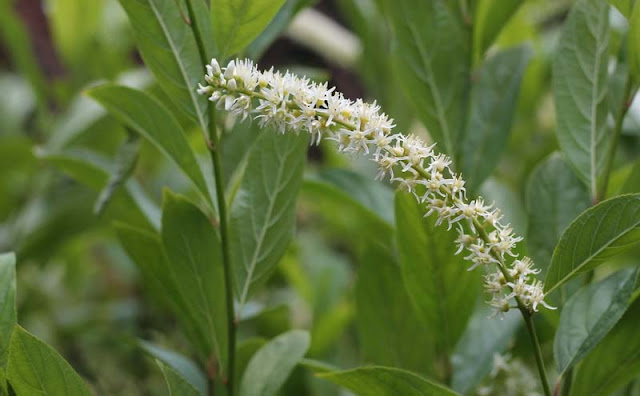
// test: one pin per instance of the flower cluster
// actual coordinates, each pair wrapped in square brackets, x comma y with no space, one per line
[289,103]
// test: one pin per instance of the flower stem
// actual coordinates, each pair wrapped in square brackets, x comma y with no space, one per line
[212,144]
[526,315]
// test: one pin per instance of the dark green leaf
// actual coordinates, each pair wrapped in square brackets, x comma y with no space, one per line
[35,368]
[614,362]
[589,315]
[386,381]
[8,315]
[152,120]
[436,280]
[238,22]
[169,49]
[597,234]
[580,88]
[509,202]
[493,103]
[431,55]
[178,363]
[271,365]
[177,384]
[489,18]
[195,256]
[262,216]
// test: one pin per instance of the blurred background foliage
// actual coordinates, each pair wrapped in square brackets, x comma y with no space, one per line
[81,293]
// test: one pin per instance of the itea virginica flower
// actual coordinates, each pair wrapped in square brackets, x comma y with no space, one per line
[289,103]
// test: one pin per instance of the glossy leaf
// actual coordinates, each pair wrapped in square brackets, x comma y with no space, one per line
[589,315]
[614,362]
[168,47]
[597,234]
[35,368]
[262,216]
[489,19]
[238,22]
[195,256]
[493,104]
[437,280]
[386,381]
[152,120]
[580,88]
[432,62]
[554,197]
[177,384]
[8,315]
[271,365]
[179,365]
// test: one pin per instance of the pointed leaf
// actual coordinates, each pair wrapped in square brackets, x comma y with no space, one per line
[602,231]
[580,88]
[489,19]
[437,281]
[589,315]
[168,47]
[493,103]
[177,384]
[238,22]
[35,368]
[181,365]
[151,119]
[271,365]
[195,256]
[262,216]
[386,381]
[8,315]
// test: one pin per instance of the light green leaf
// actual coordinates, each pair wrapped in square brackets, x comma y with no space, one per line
[238,22]
[633,40]
[8,315]
[580,88]
[493,104]
[614,362]
[432,60]
[152,120]
[597,234]
[489,18]
[74,25]
[436,280]
[244,352]
[35,368]
[177,384]
[182,366]
[589,315]
[632,184]
[381,304]
[195,256]
[168,47]
[262,216]
[483,338]
[270,366]
[624,6]
[386,381]
[554,197]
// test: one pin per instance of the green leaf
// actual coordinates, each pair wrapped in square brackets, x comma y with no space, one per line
[489,18]
[262,216]
[633,39]
[3,383]
[152,120]
[436,280]
[632,185]
[431,56]
[168,47]
[244,352]
[580,88]
[509,202]
[386,381]
[176,383]
[483,338]
[382,303]
[589,315]
[195,256]
[493,104]
[554,197]
[597,234]
[36,368]
[624,6]
[272,364]
[182,366]
[238,22]
[8,315]
[614,362]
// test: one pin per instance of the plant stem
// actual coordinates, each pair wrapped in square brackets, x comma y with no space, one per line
[212,144]
[526,315]
[617,131]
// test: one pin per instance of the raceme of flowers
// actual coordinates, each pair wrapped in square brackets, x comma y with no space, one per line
[292,104]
